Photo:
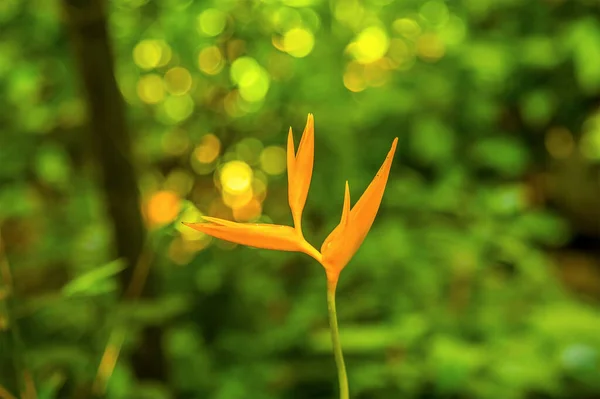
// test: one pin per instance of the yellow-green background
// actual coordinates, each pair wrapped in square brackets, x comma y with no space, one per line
[479,279]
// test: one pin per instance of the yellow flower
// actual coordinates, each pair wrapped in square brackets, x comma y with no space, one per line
[344,240]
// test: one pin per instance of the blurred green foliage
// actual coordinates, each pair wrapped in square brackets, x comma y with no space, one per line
[459,289]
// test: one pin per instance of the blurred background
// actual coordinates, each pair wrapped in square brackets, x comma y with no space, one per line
[120,119]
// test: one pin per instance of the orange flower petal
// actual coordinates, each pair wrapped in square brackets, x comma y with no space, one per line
[291,161]
[344,242]
[346,208]
[299,176]
[333,246]
[266,236]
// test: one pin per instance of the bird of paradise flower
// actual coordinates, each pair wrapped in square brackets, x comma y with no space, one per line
[337,249]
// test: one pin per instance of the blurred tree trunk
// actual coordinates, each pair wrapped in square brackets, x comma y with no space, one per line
[10,362]
[111,145]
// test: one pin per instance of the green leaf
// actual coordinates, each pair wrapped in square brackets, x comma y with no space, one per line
[95,281]
[585,43]
[432,142]
[505,155]
[537,107]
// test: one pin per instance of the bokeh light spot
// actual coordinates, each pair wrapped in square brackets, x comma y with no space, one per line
[273,160]
[179,181]
[191,214]
[163,207]
[252,79]
[127,79]
[165,53]
[350,12]
[277,42]
[236,177]
[455,31]
[376,73]
[401,54]
[354,79]
[182,249]
[150,89]
[208,150]
[370,45]
[233,104]
[179,108]
[248,150]
[212,22]
[407,27]
[435,12]
[298,42]
[236,200]
[149,54]
[210,60]
[259,187]
[257,90]
[244,70]
[430,47]
[285,18]
[178,81]
[248,212]
[310,19]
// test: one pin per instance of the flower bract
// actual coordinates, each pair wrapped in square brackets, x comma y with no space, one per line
[343,242]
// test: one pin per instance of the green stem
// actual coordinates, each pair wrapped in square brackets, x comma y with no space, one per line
[335,339]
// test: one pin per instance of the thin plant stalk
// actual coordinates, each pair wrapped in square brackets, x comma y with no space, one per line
[335,339]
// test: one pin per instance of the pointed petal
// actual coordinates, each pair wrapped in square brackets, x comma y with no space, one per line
[291,160]
[360,221]
[219,221]
[332,244]
[372,196]
[267,236]
[346,208]
[302,171]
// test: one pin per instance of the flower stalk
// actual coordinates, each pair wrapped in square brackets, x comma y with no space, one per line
[335,340]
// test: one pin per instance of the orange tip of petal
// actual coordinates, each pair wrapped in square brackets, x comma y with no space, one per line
[346,208]
[300,174]
[291,160]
